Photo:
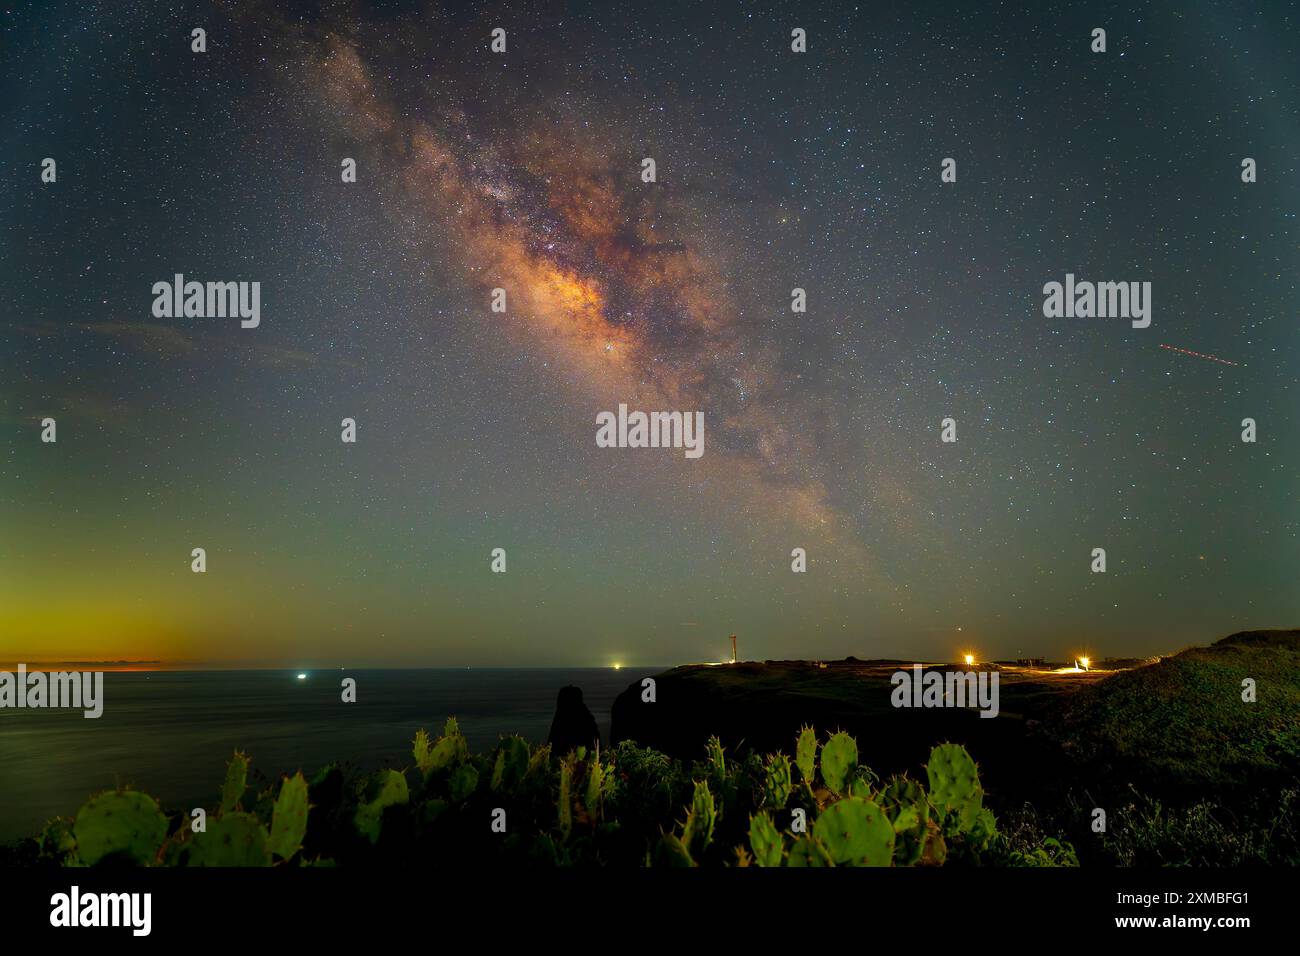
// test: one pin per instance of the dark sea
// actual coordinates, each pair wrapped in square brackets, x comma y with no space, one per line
[171,733]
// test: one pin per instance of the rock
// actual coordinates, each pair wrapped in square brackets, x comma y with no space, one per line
[573,725]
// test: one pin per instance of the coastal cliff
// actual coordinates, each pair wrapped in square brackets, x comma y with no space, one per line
[1055,727]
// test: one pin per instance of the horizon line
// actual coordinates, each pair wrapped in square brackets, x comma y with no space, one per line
[142,666]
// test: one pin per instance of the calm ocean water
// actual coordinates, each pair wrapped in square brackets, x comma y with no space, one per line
[171,733]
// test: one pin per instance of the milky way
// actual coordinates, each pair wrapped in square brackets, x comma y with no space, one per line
[600,274]
[476,430]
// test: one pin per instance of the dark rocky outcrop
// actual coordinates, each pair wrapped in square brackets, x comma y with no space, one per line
[573,725]
[1176,727]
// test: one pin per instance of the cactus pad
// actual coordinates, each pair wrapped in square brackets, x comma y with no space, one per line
[776,782]
[698,831]
[511,764]
[717,760]
[766,841]
[234,839]
[422,751]
[905,804]
[600,784]
[671,851]
[955,791]
[807,851]
[236,782]
[123,824]
[805,754]
[56,841]
[540,762]
[463,782]
[839,761]
[387,788]
[289,817]
[856,832]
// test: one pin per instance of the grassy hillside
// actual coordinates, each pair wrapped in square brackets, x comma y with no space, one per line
[1180,726]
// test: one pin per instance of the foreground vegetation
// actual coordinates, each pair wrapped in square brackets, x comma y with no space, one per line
[1190,774]
[1187,772]
[516,805]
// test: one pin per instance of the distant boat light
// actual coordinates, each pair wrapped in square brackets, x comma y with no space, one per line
[302,677]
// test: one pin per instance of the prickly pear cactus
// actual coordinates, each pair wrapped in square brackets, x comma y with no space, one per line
[905,804]
[808,851]
[56,841]
[839,761]
[600,784]
[386,789]
[864,782]
[289,817]
[983,830]
[450,750]
[766,841]
[463,781]
[564,801]
[539,763]
[124,824]
[955,791]
[232,790]
[511,764]
[671,851]
[698,831]
[776,782]
[233,839]
[805,755]
[422,751]
[855,832]
[717,760]
[936,849]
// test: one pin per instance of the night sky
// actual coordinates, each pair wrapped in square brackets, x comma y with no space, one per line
[476,430]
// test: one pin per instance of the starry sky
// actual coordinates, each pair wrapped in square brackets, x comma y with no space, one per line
[476,430]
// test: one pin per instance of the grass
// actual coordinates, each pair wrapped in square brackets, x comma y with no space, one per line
[1181,726]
